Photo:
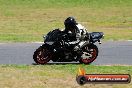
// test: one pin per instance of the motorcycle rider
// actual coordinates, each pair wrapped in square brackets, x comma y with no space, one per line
[76,33]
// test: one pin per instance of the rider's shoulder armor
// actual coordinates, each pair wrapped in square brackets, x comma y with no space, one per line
[79,26]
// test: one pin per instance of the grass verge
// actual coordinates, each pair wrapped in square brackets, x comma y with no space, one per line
[28,20]
[55,76]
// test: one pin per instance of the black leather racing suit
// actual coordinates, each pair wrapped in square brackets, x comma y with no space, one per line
[77,37]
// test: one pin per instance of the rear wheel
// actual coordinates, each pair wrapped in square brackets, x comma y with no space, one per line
[90,53]
[42,56]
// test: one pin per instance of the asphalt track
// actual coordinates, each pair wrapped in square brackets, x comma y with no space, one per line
[110,53]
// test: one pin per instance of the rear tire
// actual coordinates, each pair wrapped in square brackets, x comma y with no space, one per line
[42,55]
[90,53]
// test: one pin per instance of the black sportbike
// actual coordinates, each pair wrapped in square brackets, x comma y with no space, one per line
[57,48]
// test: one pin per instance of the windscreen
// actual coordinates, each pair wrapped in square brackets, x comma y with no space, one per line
[52,35]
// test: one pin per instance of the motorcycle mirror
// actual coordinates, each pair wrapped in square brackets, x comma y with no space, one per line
[44,36]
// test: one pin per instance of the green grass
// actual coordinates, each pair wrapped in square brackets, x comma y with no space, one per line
[55,76]
[28,20]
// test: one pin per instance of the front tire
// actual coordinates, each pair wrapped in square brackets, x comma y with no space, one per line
[90,53]
[42,55]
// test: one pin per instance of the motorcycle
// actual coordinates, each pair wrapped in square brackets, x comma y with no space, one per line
[57,48]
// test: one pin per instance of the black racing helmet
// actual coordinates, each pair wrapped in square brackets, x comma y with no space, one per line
[70,23]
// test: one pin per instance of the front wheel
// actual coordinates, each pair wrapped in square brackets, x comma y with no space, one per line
[90,53]
[42,55]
